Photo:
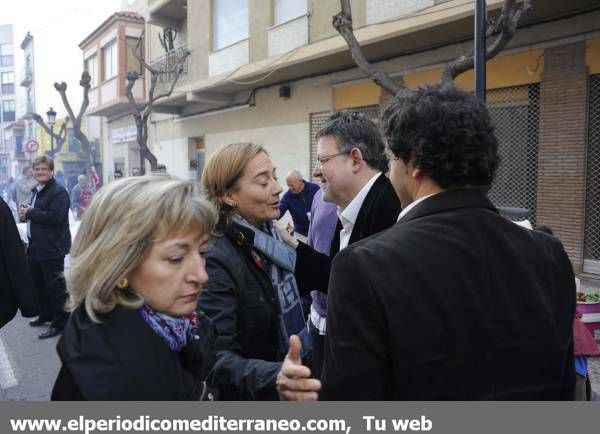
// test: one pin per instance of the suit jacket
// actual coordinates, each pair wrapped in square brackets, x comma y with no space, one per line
[16,287]
[379,211]
[50,235]
[453,302]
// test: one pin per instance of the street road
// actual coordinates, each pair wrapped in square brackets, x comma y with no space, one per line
[28,365]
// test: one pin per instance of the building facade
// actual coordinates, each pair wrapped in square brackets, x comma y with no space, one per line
[272,75]
[8,102]
[108,56]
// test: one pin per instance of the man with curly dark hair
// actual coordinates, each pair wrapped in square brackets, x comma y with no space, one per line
[453,301]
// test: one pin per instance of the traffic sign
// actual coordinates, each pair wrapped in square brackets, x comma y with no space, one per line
[32,146]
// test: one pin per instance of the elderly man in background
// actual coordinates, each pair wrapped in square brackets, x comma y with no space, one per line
[81,196]
[298,200]
[23,186]
[49,242]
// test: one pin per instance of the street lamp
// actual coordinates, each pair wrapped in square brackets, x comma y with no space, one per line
[51,119]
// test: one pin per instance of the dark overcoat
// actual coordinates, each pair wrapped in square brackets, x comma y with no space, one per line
[453,302]
[17,290]
[49,222]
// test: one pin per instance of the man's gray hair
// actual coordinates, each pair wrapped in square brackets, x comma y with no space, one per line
[352,129]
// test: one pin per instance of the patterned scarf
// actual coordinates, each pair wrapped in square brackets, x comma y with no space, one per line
[279,261]
[175,331]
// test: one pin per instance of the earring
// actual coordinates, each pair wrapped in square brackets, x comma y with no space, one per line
[123,283]
[232,204]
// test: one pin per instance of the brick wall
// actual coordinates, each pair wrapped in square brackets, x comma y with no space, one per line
[561,159]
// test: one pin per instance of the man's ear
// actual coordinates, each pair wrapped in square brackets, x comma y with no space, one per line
[415,172]
[357,158]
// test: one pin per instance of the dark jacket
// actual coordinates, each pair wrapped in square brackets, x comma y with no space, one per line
[379,211]
[454,302]
[240,299]
[16,287]
[299,206]
[50,236]
[123,359]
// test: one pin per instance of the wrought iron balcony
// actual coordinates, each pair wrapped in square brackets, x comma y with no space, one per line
[168,62]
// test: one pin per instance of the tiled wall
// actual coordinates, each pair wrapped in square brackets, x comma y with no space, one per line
[228,58]
[288,36]
[382,10]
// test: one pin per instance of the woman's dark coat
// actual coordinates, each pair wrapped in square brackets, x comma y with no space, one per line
[122,358]
[16,287]
[240,299]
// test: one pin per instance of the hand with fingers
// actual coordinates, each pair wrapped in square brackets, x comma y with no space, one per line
[285,236]
[294,382]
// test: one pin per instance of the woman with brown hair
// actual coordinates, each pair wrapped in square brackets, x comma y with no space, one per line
[251,294]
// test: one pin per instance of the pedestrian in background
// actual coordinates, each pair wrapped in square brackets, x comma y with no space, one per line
[81,196]
[49,242]
[298,200]
[23,186]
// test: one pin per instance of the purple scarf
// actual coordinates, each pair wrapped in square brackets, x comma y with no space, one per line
[175,331]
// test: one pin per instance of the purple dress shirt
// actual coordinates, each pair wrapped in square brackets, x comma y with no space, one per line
[320,233]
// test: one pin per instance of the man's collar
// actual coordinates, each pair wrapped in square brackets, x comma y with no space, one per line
[448,200]
[413,204]
[350,213]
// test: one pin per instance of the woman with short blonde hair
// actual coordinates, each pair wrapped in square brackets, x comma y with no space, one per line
[251,294]
[137,270]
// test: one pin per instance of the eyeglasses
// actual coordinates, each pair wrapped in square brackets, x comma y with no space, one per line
[324,159]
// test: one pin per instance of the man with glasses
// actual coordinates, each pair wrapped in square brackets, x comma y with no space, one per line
[49,242]
[454,302]
[351,166]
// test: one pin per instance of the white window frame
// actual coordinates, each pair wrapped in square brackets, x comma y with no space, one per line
[10,74]
[230,22]
[110,60]
[91,66]
[288,10]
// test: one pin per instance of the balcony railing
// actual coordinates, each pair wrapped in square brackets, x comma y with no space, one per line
[167,64]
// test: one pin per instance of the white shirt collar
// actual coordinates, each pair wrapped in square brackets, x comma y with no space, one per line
[413,204]
[350,213]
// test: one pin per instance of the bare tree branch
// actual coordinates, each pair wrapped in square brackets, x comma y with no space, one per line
[85,143]
[141,112]
[85,84]
[59,138]
[137,54]
[504,28]
[342,22]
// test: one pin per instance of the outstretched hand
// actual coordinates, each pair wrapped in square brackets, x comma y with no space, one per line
[285,236]
[293,380]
